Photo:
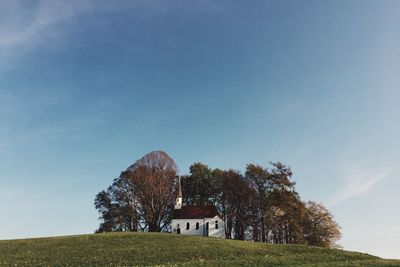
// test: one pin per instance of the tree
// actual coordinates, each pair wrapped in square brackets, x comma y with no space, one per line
[199,187]
[285,210]
[117,207]
[261,178]
[154,180]
[320,228]
[285,216]
[142,197]
[261,205]
[281,175]
[235,203]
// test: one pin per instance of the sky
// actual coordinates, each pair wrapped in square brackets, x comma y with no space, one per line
[89,87]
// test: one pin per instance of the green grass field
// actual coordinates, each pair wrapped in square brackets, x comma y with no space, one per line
[138,249]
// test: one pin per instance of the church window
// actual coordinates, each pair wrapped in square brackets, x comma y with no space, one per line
[197,226]
[216,224]
[187,226]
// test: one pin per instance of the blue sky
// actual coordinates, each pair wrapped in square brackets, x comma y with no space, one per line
[88,88]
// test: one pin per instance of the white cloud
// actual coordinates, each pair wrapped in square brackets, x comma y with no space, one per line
[358,182]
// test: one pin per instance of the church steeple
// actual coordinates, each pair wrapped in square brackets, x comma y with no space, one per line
[178,201]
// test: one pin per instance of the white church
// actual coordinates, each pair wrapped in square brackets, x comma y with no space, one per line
[196,220]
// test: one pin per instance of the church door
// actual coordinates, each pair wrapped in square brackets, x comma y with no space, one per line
[206,234]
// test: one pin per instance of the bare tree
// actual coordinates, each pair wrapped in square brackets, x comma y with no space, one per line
[153,178]
[142,197]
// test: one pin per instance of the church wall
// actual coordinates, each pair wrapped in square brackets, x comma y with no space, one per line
[220,232]
[192,229]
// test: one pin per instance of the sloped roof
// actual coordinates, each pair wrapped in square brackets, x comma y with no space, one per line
[195,212]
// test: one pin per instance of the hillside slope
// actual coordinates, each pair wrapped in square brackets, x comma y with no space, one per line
[137,249]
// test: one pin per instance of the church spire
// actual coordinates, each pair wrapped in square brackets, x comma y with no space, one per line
[178,201]
[179,188]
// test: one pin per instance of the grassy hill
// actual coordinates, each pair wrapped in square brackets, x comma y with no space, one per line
[137,249]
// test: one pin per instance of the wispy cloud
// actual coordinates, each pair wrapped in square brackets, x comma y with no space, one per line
[32,22]
[358,182]
[27,24]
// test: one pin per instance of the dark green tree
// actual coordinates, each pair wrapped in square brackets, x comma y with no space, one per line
[200,186]
[235,203]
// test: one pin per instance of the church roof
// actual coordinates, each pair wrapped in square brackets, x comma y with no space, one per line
[195,212]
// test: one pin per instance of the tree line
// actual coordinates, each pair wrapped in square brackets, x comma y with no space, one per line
[260,204]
